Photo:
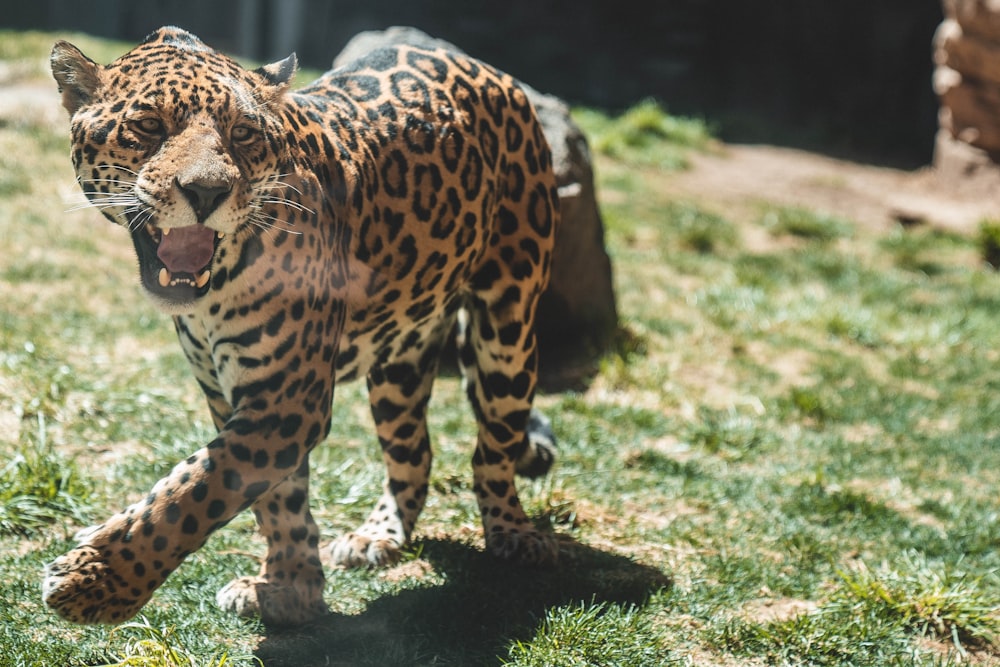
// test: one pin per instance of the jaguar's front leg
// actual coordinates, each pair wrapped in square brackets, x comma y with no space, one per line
[114,571]
[289,588]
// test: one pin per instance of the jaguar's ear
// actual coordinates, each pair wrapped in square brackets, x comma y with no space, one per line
[77,75]
[279,74]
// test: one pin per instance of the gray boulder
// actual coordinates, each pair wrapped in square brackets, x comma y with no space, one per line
[577,315]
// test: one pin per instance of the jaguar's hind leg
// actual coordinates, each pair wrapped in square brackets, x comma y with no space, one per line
[499,358]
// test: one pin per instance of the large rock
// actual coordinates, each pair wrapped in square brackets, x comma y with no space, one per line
[577,314]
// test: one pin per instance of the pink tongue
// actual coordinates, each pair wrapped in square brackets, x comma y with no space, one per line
[187,249]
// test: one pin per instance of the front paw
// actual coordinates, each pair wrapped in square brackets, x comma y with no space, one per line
[275,604]
[82,586]
[359,550]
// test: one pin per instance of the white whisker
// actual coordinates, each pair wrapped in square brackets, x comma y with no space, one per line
[105,180]
[269,198]
[262,228]
[142,217]
[280,201]
[270,223]
[108,201]
[275,183]
[274,221]
[114,197]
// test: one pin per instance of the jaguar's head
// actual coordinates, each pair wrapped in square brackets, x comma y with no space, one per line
[180,145]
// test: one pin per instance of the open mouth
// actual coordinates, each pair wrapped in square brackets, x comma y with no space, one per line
[176,264]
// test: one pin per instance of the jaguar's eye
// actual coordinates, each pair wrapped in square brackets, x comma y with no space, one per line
[150,126]
[242,133]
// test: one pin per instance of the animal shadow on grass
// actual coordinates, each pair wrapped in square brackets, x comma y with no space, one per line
[471,618]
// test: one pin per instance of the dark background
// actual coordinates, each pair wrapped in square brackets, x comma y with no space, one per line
[850,78]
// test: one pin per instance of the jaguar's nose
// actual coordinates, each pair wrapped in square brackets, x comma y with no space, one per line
[205,197]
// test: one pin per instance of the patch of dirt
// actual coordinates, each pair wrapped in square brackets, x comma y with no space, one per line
[738,176]
[777,610]
[946,650]
[793,367]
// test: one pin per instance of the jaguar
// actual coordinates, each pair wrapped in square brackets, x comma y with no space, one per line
[303,238]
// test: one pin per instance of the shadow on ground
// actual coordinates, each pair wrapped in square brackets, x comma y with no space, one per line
[482,607]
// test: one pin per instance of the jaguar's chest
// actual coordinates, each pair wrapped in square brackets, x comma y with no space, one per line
[239,346]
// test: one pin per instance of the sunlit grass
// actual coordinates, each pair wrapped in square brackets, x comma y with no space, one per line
[988,240]
[586,634]
[939,601]
[148,646]
[869,617]
[803,223]
[645,134]
[38,486]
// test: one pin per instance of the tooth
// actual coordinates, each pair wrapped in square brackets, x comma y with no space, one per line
[202,279]
[165,231]
[164,277]
[220,235]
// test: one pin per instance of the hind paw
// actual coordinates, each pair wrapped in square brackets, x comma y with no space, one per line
[524,547]
[358,550]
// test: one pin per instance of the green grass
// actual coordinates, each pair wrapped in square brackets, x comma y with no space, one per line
[147,646]
[591,634]
[810,426]
[38,486]
[803,223]
[869,618]
[646,135]
[989,242]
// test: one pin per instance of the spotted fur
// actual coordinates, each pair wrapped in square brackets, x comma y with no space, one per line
[302,239]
